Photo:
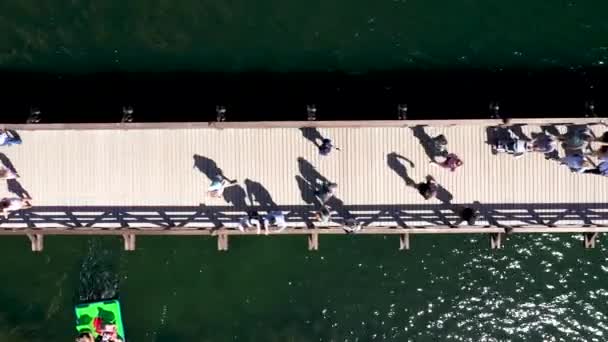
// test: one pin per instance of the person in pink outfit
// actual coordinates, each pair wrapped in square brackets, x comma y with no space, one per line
[451,162]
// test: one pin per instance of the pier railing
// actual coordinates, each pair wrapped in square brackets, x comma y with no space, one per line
[495,220]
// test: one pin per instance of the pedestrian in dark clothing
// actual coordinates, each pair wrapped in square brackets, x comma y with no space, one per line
[468,215]
[428,189]
[326,147]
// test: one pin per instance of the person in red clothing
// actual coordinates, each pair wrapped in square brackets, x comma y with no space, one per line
[451,162]
[106,332]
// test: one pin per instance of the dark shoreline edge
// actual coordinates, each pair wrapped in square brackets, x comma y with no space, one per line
[267,96]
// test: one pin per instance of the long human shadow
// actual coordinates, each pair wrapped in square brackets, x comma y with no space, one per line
[7,163]
[236,196]
[427,142]
[394,162]
[312,134]
[310,173]
[257,193]
[209,168]
[310,181]
[13,185]
[443,195]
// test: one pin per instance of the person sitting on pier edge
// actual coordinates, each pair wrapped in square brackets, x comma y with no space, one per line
[327,191]
[545,144]
[13,204]
[577,162]
[578,141]
[428,189]
[326,147]
[324,214]
[468,215]
[601,168]
[251,220]
[8,138]
[512,145]
[351,225]
[274,218]
[451,162]
[218,184]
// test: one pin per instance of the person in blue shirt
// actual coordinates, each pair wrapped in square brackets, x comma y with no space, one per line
[8,138]
[274,219]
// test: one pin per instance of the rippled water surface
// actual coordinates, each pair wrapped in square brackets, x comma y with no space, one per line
[356,288]
[89,36]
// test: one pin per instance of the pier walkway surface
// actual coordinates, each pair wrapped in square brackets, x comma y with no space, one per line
[152,179]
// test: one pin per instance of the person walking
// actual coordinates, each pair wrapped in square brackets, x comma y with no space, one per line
[451,162]
[326,147]
[428,189]
[577,162]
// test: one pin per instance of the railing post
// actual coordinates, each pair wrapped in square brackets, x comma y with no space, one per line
[37,241]
[590,240]
[496,240]
[129,242]
[313,242]
[222,242]
[404,242]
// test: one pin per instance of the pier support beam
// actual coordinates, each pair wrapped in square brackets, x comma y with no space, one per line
[496,240]
[313,242]
[37,242]
[590,240]
[129,240]
[222,242]
[404,242]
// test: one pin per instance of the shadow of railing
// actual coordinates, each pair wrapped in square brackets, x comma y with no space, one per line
[214,217]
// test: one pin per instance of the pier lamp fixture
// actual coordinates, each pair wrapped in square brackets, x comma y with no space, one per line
[35,116]
[127,114]
[220,112]
[402,111]
[494,110]
[311,111]
[589,109]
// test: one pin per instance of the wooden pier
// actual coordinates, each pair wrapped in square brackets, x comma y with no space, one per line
[135,179]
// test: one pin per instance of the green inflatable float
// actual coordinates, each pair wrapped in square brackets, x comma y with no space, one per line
[97,317]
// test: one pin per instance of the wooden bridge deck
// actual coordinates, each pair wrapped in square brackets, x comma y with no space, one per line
[152,178]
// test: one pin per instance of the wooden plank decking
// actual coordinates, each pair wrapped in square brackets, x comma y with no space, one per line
[151,179]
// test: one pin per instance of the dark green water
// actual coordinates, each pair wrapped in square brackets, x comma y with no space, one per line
[355,288]
[237,35]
